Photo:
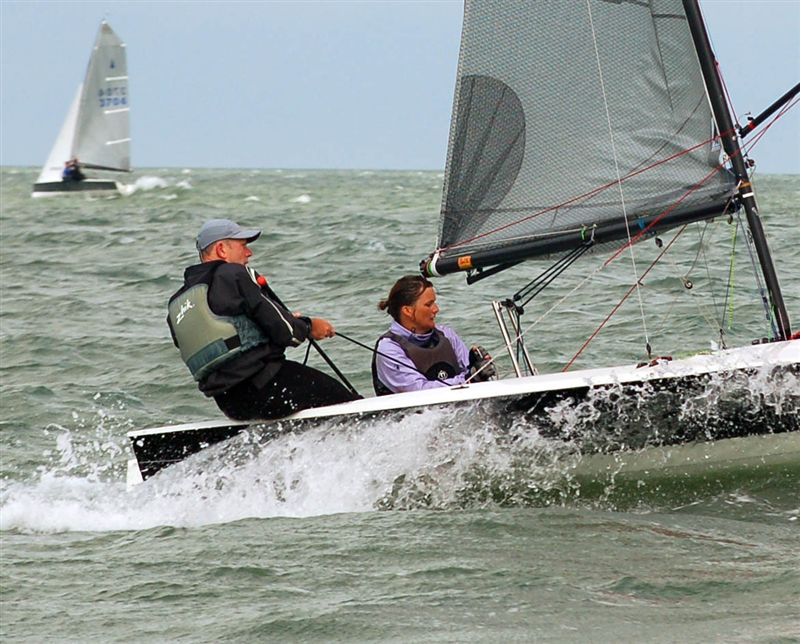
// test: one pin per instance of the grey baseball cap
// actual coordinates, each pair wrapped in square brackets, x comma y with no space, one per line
[215,229]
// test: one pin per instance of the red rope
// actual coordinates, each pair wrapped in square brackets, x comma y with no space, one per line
[584,196]
[661,215]
[594,334]
[725,89]
[624,297]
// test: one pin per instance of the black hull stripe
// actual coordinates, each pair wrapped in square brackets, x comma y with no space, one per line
[74,186]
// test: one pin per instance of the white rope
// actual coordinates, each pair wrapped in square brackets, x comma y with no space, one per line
[616,166]
[708,315]
[529,328]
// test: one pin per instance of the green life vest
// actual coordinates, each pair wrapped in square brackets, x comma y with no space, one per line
[207,340]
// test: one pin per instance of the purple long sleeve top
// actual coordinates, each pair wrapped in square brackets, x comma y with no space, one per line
[399,374]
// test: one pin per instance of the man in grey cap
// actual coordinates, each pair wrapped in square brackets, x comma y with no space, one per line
[232,332]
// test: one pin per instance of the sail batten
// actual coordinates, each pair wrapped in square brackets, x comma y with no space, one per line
[557,101]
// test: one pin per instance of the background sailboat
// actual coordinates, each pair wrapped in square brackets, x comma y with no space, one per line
[96,130]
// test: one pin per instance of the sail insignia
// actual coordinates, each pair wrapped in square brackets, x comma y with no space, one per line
[488,150]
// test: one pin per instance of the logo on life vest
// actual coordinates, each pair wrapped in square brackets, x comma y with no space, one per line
[185,307]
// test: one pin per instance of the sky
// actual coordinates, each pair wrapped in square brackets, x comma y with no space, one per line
[336,84]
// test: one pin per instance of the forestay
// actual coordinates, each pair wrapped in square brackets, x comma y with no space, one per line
[563,116]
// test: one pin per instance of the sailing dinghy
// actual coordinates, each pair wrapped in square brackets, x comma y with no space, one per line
[577,127]
[96,130]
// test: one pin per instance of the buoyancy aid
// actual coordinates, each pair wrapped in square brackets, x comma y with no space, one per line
[436,360]
[207,340]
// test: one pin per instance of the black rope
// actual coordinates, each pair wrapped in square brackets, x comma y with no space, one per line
[331,364]
[544,279]
[378,353]
[322,353]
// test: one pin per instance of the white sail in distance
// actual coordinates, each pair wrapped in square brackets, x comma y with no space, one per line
[96,129]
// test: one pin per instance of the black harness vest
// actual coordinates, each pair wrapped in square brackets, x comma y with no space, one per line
[436,361]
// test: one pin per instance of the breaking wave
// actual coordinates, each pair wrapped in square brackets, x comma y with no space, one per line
[470,456]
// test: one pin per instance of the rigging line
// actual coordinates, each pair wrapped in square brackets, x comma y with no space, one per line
[544,315]
[780,114]
[724,318]
[624,297]
[558,303]
[577,287]
[719,318]
[762,291]
[710,319]
[727,312]
[546,277]
[578,198]
[379,353]
[665,212]
[771,322]
[564,265]
[764,298]
[527,329]
[619,177]
[696,299]
[524,331]
[700,247]
[714,171]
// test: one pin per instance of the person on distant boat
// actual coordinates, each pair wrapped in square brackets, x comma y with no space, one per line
[232,332]
[416,353]
[72,171]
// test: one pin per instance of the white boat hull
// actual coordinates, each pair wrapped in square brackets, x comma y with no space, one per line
[528,397]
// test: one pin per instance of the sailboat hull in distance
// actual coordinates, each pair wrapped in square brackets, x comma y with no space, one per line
[87,186]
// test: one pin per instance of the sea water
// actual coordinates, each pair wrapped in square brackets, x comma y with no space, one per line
[424,528]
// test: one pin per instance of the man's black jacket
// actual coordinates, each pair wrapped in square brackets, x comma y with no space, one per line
[233,292]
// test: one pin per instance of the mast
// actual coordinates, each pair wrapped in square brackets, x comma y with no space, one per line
[730,144]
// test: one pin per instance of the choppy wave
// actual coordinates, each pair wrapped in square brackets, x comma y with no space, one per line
[442,459]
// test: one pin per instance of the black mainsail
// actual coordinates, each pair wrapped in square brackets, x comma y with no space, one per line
[573,119]
[576,121]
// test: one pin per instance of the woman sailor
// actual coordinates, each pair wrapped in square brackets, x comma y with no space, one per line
[416,353]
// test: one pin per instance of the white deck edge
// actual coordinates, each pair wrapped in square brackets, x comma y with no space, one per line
[750,357]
